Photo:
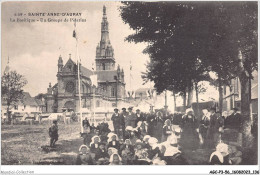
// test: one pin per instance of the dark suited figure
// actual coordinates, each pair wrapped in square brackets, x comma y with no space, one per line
[53,133]
[123,115]
[216,121]
[234,121]
[130,119]
[86,131]
[139,116]
[204,125]
[157,126]
[150,118]
[116,121]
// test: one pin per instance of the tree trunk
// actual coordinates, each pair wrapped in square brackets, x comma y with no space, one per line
[174,98]
[184,101]
[190,95]
[197,97]
[220,91]
[245,109]
[8,112]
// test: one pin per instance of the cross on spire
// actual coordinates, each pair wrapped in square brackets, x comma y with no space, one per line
[104,10]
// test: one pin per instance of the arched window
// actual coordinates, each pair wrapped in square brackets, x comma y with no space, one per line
[113,92]
[97,104]
[104,66]
[83,89]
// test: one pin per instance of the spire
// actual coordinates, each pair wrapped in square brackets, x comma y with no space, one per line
[60,64]
[104,10]
[104,49]
[7,68]
[104,27]
[60,61]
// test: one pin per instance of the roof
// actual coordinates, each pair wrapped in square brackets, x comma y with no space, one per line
[142,90]
[28,100]
[86,72]
[107,75]
[39,102]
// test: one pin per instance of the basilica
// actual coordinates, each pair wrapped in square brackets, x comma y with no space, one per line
[110,91]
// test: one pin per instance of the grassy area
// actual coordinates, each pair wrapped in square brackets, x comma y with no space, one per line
[21,144]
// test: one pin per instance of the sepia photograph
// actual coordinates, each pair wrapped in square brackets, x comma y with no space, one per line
[129,83]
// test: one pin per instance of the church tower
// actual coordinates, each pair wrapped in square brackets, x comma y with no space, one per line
[104,52]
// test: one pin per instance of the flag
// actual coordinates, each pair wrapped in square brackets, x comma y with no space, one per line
[93,79]
[74,34]
[130,65]
[93,66]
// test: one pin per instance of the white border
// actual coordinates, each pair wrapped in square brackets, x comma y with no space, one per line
[130,169]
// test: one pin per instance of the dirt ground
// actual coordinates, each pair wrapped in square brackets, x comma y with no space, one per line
[21,144]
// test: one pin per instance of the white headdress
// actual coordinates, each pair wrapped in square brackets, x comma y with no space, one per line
[83,146]
[189,110]
[112,157]
[110,137]
[93,138]
[146,137]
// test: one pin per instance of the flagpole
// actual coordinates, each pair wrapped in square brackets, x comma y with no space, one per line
[94,99]
[130,76]
[78,61]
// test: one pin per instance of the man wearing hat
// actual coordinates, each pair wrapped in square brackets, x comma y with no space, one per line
[122,119]
[234,121]
[116,121]
[53,133]
[213,135]
[139,116]
[131,118]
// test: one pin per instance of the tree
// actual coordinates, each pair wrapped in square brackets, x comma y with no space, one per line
[12,84]
[180,33]
[173,46]
[236,53]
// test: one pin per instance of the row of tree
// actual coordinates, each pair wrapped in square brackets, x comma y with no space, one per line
[188,40]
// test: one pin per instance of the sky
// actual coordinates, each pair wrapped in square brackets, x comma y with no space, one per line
[34,48]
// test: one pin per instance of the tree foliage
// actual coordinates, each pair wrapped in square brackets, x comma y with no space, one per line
[186,40]
[12,84]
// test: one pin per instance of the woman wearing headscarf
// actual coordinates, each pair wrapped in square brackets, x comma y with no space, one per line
[167,130]
[204,125]
[220,156]
[84,157]
[154,150]
[113,141]
[127,147]
[94,145]
[189,137]
[115,159]
[157,124]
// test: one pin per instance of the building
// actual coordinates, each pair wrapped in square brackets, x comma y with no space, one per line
[111,85]
[232,94]
[26,106]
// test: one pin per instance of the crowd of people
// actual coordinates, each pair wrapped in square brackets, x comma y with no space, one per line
[159,138]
